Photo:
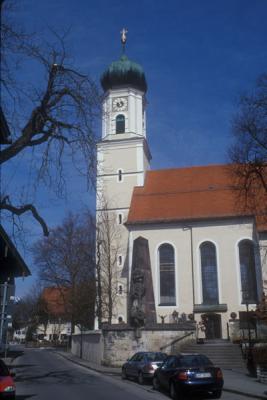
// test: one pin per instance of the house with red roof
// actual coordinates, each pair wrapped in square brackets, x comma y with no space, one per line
[54,326]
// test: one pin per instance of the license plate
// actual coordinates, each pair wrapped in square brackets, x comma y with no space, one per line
[203,375]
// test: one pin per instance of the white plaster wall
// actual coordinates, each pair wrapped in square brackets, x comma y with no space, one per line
[225,236]
[122,154]
[59,329]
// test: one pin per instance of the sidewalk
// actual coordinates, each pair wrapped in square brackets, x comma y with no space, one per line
[237,382]
[234,381]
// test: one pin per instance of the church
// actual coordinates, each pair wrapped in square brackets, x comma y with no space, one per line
[206,255]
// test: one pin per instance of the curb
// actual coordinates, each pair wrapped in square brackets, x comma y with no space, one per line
[253,396]
[77,362]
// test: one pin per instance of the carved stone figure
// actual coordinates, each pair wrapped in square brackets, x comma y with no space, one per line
[141,299]
[137,314]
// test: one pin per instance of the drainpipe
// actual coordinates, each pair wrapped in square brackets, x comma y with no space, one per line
[190,228]
[192,267]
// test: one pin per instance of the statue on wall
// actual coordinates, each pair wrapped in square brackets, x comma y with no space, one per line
[137,314]
[141,300]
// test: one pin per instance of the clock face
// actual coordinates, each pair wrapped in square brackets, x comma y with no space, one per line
[120,104]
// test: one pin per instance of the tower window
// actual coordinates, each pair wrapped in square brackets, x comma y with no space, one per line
[119,175]
[120,123]
[120,290]
[120,260]
[120,219]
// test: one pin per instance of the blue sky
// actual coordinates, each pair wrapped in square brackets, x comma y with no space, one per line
[198,57]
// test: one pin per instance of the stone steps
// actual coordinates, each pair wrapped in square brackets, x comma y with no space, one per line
[222,353]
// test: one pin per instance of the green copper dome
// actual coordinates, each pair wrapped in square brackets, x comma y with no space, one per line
[124,73]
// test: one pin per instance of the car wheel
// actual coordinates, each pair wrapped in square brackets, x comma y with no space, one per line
[216,394]
[140,378]
[156,384]
[123,374]
[173,393]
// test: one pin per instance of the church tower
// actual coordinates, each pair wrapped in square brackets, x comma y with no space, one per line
[123,157]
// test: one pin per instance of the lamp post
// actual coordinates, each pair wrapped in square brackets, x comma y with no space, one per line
[246,301]
[250,363]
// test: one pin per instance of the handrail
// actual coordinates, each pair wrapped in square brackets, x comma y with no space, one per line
[176,340]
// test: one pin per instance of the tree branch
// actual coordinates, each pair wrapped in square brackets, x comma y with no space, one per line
[5,205]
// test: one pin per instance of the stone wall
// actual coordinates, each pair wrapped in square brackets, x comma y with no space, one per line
[114,345]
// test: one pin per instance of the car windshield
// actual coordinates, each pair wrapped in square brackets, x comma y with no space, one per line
[193,360]
[156,356]
[3,369]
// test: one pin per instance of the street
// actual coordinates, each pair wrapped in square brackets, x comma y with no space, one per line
[42,374]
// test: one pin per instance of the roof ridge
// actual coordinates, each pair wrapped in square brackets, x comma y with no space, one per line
[188,168]
[201,190]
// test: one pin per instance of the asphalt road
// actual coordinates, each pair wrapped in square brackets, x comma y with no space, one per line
[45,375]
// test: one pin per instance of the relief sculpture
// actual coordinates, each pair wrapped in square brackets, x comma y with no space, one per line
[141,300]
[137,314]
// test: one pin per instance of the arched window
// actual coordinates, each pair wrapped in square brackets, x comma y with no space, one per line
[167,275]
[120,123]
[209,273]
[247,271]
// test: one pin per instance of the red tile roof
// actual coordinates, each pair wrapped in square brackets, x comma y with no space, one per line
[55,299]
[182,194]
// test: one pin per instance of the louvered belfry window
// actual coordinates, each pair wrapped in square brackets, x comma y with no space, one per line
[120,123]
[209,273]
[167,275]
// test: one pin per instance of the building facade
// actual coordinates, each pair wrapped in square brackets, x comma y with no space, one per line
[207,255]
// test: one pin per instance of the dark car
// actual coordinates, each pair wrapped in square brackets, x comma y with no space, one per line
[142,365]
[7,385]
[186,374]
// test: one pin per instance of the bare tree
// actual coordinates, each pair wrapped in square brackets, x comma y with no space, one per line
[23,311]
[107,252]
[65,260]
[248,154]
[55,114]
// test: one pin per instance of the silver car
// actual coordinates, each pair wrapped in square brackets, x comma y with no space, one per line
[142,365]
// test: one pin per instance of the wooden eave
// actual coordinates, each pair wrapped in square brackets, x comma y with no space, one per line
[19,265]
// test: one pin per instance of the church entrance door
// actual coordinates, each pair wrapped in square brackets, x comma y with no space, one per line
[213,325]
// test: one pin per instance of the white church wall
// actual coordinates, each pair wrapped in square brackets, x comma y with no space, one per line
[119,157]
[117,195]
[225,235]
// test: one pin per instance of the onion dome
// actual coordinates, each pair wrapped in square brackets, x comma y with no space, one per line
[124,72]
